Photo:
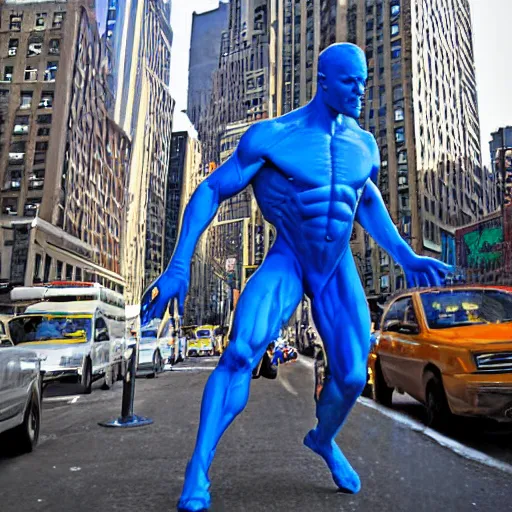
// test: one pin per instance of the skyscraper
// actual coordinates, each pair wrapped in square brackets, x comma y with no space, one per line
[144,108]
[420,104]
[207,29]
[64,160]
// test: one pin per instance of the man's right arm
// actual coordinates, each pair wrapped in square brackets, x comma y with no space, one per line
[228,180]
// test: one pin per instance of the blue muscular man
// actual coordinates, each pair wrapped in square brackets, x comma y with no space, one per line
[313,172]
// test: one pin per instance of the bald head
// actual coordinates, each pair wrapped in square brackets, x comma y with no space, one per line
[342,75]
[339,55]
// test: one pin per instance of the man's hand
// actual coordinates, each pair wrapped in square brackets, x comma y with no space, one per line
[424,271]
[172,284]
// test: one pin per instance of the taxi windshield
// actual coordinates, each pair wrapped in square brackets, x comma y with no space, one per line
[26,329]
[458,308]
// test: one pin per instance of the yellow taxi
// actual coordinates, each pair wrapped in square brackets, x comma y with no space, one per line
[450,348]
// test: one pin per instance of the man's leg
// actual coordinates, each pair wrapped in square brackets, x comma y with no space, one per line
[342,318]
[268,300]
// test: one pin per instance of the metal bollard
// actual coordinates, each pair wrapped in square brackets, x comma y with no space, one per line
[127,418]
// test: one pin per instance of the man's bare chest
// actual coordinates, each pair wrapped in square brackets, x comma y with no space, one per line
[318,160]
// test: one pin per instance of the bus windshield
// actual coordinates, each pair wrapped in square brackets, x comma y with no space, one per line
[26,329]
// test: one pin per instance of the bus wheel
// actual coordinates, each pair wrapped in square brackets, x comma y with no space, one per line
[86,381]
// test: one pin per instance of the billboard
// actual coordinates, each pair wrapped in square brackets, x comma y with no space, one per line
[480,245]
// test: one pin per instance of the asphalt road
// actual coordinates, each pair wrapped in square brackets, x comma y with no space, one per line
[261,464]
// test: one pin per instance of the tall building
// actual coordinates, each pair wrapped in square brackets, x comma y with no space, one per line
[207,29]
[239,96]
[144,108]
[64,160]
[501,158]
[420,104]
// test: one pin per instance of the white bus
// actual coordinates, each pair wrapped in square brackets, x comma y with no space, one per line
[78,330]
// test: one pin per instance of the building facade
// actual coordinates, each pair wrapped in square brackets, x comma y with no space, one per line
[421,105]
[144,107]
[64,163]
[205,40]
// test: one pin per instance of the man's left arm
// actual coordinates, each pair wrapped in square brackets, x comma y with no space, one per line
[374,217]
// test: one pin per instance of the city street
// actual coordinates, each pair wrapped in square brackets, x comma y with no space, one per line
[261,463]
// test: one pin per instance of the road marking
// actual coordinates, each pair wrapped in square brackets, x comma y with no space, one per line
[191,368]
[70,399]
[444,441]
[286,384]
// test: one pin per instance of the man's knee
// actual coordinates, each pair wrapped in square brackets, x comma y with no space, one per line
[238,356]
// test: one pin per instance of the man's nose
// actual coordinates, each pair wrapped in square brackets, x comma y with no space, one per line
[360,89]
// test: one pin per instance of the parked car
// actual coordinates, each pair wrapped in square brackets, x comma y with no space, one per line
[450,348]
[203,342]
[172,346]
[149,358]
[20,396]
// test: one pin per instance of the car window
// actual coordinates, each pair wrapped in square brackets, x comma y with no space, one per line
[2,328]
[458,308]
[101,327]
[410,315]
[397,312]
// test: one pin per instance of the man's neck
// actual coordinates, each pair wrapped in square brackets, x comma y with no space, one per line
[323,116]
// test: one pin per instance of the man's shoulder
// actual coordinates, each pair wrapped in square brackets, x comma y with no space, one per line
[260,136]
[365,135]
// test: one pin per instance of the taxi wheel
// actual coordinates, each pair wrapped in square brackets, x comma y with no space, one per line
[381,393]
[438,411]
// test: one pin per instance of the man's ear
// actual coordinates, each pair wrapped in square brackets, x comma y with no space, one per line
[321,81]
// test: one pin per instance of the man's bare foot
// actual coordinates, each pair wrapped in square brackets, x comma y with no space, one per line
[342,472]
[195,496]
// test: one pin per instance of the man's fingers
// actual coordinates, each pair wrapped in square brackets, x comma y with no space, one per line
[433,277]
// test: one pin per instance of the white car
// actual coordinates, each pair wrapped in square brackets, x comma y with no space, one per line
[149,358]
[20,396]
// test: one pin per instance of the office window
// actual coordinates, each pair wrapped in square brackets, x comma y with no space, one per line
[46,99]
[15,22]
[51,71]
[8,72]
[395,29]
[21,125]
[396,49]
[40,21]
[30,74]
[399,114]
[44,119]
[13,47]
[26,99]
[54,47]
[35,45]
[400,135]
[43,132]
[58,19]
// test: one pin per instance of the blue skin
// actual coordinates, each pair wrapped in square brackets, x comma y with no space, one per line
[313,172]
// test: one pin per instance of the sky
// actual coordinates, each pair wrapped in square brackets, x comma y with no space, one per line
[491,25]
